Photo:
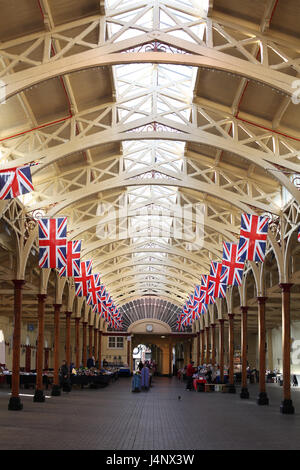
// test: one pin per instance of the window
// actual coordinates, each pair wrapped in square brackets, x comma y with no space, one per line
[116,342]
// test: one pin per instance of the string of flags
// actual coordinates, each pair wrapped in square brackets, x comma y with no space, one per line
[55,251]
[16,181]
[252,247]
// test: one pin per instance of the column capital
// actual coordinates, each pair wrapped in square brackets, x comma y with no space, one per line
[19,283]
[58,306]
[221,320]
[41,297]
[207,328]
[285,287]
[213,325]
[244,308]
[230,316]
[68,314]
[84,323]
[261,300]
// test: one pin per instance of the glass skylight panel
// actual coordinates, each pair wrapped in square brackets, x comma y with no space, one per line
[161,92]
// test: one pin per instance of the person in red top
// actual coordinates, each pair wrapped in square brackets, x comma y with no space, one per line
[189,375]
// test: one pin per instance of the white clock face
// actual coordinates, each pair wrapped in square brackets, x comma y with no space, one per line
[149,328]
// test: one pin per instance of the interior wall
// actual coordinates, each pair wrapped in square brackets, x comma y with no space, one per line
[295,347]
[27,337]
[110,353]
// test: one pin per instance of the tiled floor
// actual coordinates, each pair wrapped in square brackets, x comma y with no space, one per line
[115,418]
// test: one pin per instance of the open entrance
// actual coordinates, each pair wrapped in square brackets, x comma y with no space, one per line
[141,353]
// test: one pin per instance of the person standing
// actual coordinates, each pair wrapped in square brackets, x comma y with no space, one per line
[65,377]
[189,375]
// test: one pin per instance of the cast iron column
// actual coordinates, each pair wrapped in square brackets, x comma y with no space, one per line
[99,347]
[84,348]
[77,322]
[202,346]
[14,401]
[68,338]
[244,391]
[231,387]
[213,344]
[95,343]
[286,406]
[56,386]
[262,398]
[198,348]
[207,328]
[39,391]
[221,348]
[90,340]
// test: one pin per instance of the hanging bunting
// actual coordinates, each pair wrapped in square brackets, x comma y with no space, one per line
[234,268]
[52,242]
[72,267]
[15,181]
[217,285]
[82,281]
[93,289]
[253,238]
[208,298]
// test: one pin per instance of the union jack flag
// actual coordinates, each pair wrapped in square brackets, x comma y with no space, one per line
[253,237]
[217,280]
[53,242]
[93,289]
[298,234]
[72,267]
[15,181]
[203,309]
[179,321]
[82,281]
[204,289]
[234,268]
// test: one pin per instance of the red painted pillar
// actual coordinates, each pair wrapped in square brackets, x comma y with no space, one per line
[39,394]
[286,406]
[202,347]
[14,401]
[221,349]
[90,340]
[262,397]
[84,349]
[68,338]
[198,348]
[207,359]
[46,359]
[231,388]
[77,361]
[99,347]
[56,385]
[96,344]
[28,359]
[244,323]
[213,344]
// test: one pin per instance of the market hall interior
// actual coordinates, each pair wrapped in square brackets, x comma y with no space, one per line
[149,213]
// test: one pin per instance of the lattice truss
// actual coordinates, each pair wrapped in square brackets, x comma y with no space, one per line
[130,24]
[136,210]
